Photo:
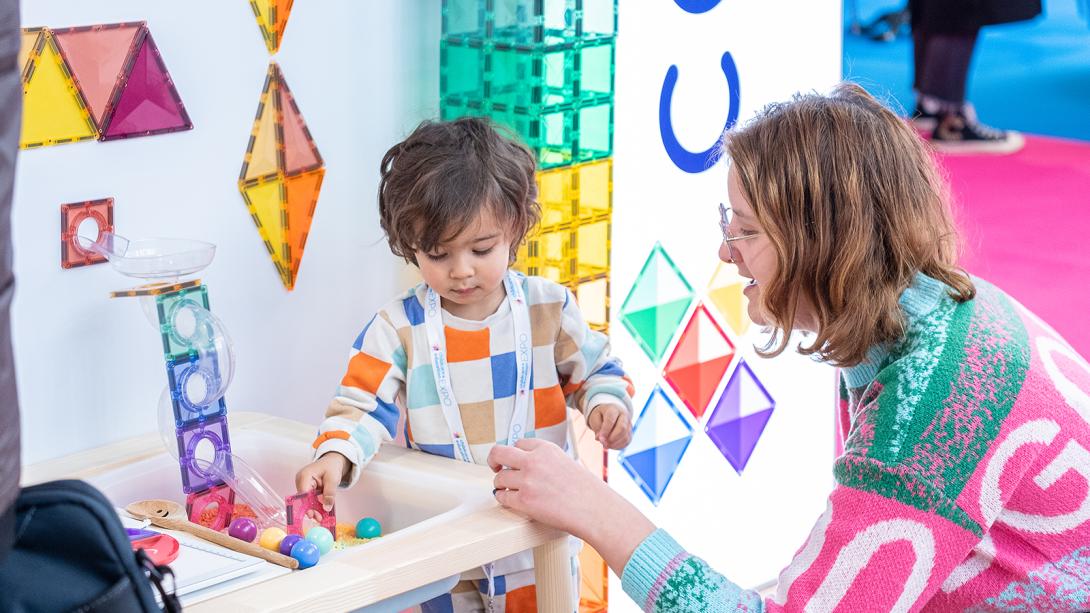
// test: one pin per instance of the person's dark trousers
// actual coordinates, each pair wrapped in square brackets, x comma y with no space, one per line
[942,65]
[11,98]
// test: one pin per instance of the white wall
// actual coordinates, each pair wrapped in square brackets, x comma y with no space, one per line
[90,369]
[747,526]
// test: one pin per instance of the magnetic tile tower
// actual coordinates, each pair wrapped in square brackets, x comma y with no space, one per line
[282,170]
[198,371]
[100,82]
[544,69]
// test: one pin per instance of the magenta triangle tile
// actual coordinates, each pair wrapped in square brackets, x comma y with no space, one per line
[148,102]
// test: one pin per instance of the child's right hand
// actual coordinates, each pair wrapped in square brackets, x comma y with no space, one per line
[324,475]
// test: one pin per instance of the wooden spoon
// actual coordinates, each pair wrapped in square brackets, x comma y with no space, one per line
[170,515]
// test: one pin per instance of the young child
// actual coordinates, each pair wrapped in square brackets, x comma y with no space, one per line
[477,355]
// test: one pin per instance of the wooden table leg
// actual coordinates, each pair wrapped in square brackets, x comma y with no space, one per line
[552,569]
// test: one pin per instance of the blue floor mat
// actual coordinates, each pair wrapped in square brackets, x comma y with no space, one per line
[1032,76]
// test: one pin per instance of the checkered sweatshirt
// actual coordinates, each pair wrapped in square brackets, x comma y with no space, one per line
[390,367]
[964,484]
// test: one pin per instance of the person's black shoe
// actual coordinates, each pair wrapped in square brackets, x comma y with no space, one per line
[961,132]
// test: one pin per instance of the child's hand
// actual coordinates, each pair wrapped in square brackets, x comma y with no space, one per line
[324,475]
[612,425]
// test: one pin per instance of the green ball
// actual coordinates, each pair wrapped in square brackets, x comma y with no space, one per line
[321,537]
[368,528]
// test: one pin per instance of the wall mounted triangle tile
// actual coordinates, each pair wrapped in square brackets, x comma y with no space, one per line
[261,161]
[300,152]
[53,109]
[30,46]
[725,293]
[147,102]
[265,202]
[272,19]
[656,304]
[699,361]
[740,416]
[659,440]
[301,201]
[97,57]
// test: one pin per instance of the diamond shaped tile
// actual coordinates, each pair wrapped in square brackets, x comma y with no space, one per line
[725,293]
[659,440]
[740,416]
[656,304]
[699,361]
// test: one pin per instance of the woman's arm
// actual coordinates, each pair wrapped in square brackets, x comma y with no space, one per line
[537,479]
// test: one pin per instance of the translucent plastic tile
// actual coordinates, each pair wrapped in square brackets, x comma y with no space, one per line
[592,568]
[592,248]
[593,298]
[193,379]
[699,361]
[301,507]
[659,440]
[53,109]
[31,42]
[558,136]
[201,446]
[272,20]
[262,160]
[147,102]
[98,212]
[529,22]
[220,498]
[97,56]
[725,293]
[154,289]
[179,318]
[461,71]
[577,194]
[266,204]
[302,200]
[740,416]
[300,152]
[529,81]
[656,303]
[281,176]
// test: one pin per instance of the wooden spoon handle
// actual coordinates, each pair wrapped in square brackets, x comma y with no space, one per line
[224,540]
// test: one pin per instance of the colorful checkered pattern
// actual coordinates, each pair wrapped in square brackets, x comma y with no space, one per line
[390,367]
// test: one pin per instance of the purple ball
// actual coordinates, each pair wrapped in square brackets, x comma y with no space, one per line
[306,552]
[286,544]
[243,528]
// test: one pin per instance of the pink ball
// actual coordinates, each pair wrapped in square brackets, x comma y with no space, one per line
[243,528]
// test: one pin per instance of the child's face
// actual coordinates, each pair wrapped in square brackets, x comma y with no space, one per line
[468,271]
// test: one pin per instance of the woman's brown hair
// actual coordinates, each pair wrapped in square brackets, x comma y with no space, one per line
[854,207]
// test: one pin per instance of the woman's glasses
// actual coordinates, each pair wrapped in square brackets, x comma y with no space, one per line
[725,216]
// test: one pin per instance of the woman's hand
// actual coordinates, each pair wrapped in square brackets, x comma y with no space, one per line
[537,479]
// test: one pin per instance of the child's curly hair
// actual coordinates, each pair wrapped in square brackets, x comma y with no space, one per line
[439,179]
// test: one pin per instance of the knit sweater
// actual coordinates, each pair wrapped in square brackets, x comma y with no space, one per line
[390,366]
[964,483]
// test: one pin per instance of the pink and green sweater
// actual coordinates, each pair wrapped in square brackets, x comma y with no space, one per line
[964,483]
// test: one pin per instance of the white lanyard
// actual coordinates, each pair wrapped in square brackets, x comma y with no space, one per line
[520,318]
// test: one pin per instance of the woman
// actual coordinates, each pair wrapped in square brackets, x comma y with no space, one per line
[965,480]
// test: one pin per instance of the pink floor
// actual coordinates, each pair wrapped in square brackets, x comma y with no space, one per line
[1026,222]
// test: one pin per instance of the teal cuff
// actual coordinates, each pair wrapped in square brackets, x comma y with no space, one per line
[649,562]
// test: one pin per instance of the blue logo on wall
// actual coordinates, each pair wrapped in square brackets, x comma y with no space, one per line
[695,162]
[697,6]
